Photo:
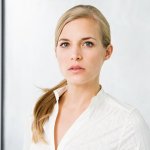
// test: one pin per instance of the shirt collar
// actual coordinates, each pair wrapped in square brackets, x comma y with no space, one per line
[58,92]
[94,101]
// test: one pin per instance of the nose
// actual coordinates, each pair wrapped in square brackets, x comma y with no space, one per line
[76,54]
[76,57]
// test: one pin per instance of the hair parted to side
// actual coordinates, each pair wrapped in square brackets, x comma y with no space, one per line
[46,102]
[85,11]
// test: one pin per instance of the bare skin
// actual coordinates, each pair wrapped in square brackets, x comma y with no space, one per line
[81,45]
[69,112]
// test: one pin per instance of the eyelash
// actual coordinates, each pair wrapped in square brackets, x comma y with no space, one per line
[88,42]
[65,44]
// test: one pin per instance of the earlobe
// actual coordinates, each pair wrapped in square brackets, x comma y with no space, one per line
[109,51]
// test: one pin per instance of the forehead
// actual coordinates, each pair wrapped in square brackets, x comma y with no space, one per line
[81,27]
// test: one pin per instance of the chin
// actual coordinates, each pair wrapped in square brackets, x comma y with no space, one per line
[82,79]
[77,81]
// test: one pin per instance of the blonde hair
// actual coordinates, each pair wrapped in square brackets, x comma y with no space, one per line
[85,11]
[46,102]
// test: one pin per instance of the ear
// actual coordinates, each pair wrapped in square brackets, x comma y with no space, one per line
[109,51]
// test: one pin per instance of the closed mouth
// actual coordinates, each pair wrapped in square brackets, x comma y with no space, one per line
[76,68]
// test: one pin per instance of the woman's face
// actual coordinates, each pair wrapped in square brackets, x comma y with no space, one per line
[80,52]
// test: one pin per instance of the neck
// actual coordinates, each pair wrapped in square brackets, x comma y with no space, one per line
[78,96]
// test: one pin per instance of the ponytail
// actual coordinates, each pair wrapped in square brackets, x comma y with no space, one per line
[42,111]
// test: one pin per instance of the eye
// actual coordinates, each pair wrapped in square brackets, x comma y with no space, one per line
[64,45]
[88,44]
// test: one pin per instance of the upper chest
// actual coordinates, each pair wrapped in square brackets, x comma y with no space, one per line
[89,135]
[64,120]
[87,130]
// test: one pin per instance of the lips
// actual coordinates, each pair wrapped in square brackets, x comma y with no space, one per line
[76,67]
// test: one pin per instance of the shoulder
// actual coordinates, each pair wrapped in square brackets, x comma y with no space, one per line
[110,104]
[135,131]
[132,112]
[119,111]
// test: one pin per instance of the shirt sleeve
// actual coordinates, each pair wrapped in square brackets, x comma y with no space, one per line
[136,133]
[27,133]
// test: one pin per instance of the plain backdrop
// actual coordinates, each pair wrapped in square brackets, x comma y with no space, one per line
[30,60]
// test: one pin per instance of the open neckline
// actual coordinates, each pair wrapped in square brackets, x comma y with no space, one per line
[81,119]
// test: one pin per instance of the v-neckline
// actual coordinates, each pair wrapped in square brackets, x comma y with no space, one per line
[74,126]
[81,119]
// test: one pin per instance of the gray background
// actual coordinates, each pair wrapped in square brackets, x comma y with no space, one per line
[31,63]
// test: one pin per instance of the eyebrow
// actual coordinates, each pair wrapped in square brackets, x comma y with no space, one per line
[82,39]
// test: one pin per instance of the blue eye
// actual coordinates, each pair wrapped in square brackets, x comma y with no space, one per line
[88,44]
[64,45]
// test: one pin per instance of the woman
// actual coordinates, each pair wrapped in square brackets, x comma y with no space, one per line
[77,114]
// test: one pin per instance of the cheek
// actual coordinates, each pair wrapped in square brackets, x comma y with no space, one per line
[96,60]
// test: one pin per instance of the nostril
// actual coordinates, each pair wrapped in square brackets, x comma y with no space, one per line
[78,57]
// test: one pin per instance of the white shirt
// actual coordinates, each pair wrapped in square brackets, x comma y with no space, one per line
[106,124]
